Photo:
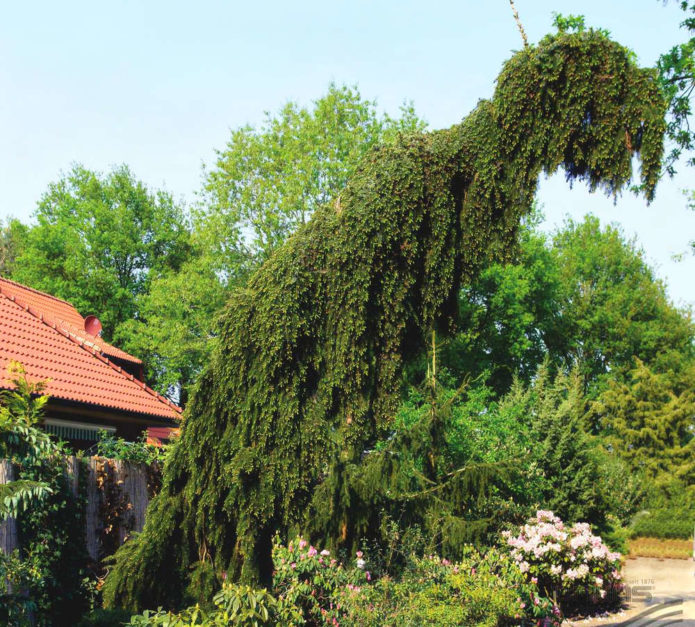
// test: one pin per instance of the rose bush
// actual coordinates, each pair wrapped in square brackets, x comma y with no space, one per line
[569,564]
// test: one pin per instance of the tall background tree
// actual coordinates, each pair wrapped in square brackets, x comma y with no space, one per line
[12,235]
[677,77]
[583,296]
[99,240]
[269,180]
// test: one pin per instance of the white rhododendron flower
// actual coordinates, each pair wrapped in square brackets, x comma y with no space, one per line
[568,560]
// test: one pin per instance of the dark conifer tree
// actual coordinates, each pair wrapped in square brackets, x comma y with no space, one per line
[311,352]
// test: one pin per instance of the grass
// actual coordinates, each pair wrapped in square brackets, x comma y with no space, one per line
[657,547]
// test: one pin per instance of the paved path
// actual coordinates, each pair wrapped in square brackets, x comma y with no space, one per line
[662,592]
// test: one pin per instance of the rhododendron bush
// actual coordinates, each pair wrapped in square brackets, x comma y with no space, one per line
[567,563]
[313,580]
[547,569]
[481,589]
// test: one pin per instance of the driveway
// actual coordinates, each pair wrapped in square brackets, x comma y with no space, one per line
[660,592]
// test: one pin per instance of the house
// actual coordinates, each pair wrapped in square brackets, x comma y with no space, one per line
[92,385]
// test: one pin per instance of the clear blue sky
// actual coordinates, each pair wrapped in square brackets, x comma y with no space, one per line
[158,85]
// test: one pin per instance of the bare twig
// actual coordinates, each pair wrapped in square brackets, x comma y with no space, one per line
[519,24]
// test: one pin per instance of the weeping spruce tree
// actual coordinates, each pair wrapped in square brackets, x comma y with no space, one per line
[308,371]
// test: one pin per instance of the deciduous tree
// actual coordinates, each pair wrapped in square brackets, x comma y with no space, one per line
[98,241]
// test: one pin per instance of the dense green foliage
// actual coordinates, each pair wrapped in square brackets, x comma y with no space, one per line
[313,588]
[648,420]
[677,77]
[12,235]
[53,544]
[584,297]
[433,472]
[664,523]
[233,605]
[46,580]
[22,442]
[308,372]
[263,186]
[479,590]
[567,457]
[99,240]
[138,452]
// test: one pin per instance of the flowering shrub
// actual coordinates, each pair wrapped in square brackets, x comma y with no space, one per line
[544,568]
[313,588]
[482,589]
[313,581]
[569,564]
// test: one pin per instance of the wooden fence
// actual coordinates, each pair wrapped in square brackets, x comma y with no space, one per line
[116,497]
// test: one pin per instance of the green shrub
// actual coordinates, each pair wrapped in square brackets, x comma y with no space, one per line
[49,579]
[664,523]
[241,606]
[616,536]
[16,576]
[312,588]
[105,618]
[485,590]
[138,452]
[312,581]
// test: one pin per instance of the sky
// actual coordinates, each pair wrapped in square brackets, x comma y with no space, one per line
[159,84]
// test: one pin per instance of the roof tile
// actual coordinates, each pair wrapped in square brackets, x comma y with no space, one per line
[75,367]
[63,314]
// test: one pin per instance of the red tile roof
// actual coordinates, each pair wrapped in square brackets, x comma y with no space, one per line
[34,332]
[63,314]
[158,435]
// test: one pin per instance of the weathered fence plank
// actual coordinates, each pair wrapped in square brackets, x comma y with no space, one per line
[93,524]
[114,489]
[8,528]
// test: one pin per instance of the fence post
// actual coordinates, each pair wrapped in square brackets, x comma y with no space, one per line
[8,528]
